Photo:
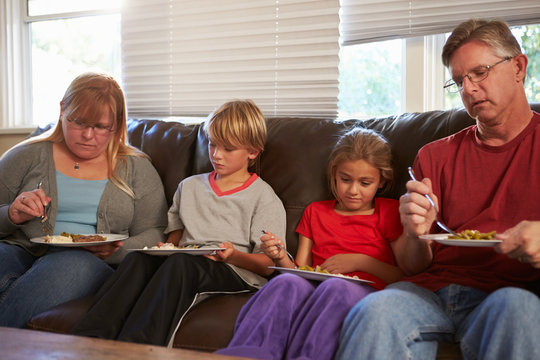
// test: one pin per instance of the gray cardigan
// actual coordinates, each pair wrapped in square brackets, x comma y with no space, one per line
[143,218]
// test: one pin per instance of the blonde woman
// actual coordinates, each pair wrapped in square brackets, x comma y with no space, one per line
[90,181]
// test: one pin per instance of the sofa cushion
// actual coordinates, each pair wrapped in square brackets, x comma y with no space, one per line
[170,146]
[210,325]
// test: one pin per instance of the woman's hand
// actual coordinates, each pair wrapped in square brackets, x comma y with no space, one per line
[28,205]
[522,242]
[105,250]
[223,255]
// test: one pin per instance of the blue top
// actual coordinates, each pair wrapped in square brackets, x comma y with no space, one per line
[78,202]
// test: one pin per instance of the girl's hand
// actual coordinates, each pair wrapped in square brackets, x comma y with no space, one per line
[270,247]
[343,263]
[223,255]
[28,205]
[105,250]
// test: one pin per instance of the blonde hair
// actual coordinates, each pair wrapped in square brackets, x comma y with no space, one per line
[361,144]
[87,96]
[237,123]
[494,33]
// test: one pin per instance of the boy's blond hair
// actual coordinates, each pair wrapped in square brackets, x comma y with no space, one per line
[237,124]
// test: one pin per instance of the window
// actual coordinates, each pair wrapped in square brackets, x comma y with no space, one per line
[371,73]
[388,62]
[370,79]
[65,45]
[65,39]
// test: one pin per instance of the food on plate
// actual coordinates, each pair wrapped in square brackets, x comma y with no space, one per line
[84,238]
[170,246]
[473,235]
[73,238]
[164,246]
[88,238]
[58,239]
[318,269]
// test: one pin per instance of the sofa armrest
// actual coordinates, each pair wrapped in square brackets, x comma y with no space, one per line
[61,318]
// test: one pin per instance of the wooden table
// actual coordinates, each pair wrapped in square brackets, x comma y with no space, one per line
[17,344]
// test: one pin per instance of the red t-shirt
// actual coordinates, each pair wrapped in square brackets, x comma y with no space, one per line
[333,233]
[484,188]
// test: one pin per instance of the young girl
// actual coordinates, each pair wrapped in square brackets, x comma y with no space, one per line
[147,296]
[290,317]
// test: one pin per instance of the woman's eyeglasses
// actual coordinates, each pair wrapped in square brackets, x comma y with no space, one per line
[475,75]
[99,129]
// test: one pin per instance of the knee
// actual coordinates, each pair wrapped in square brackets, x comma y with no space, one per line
[344,293]
[79,262]
[515,303]
[379,306]
[291,284]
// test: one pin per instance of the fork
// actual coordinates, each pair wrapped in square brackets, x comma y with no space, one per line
[286,252]
[45,224]
[438,219]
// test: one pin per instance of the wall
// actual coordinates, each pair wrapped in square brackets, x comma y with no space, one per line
[8,140]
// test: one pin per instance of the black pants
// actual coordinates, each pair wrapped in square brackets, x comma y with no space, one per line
[146,297]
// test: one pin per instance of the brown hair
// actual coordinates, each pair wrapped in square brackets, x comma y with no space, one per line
[362,144]
[86,97]
[494,33]
[237,123]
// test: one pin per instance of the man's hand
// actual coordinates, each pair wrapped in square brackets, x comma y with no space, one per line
[417,214]
[522,242]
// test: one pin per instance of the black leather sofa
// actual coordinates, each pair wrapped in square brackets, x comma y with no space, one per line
[293,163]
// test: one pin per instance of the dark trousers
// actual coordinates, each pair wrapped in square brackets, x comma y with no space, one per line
[145,298]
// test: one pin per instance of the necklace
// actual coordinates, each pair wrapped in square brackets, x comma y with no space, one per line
[76,166]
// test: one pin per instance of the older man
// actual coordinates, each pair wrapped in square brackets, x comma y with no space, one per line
[486,178]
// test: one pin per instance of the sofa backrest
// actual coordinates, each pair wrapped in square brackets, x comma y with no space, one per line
[296,153]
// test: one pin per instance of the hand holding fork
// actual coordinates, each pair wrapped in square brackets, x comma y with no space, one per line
[46,226]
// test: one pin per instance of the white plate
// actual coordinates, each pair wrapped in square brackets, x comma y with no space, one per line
[443,239]
[318,276]
[191,251]
[109,237]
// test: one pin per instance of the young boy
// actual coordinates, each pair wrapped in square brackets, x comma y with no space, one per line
[147,296]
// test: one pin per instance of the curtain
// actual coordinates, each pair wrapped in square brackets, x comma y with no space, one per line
[187,57]
[376,20]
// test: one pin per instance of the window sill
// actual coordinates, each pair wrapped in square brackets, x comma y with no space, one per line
[17,131]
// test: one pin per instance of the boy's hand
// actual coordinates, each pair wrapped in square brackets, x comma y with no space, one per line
[223,255]
[270,247]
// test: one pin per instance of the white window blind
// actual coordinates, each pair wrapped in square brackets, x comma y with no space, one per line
[186,57]
[375,20]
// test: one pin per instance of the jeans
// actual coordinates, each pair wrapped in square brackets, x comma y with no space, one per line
[406,321]
[30,285]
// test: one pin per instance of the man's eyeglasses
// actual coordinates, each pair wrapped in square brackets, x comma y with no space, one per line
[98,128]
[475,75]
